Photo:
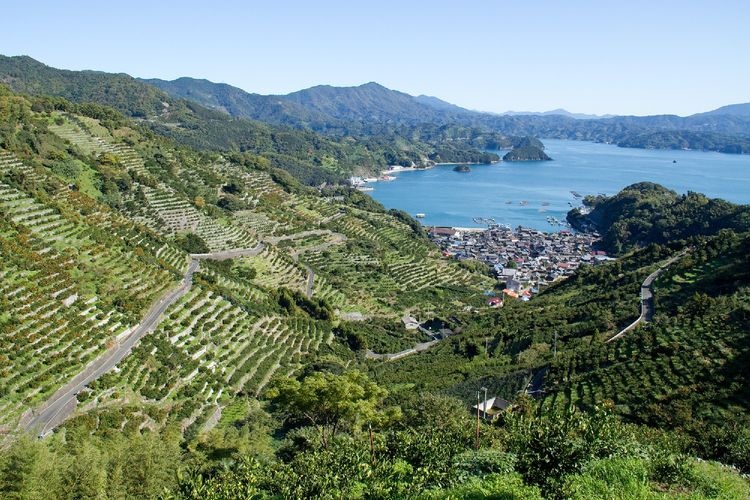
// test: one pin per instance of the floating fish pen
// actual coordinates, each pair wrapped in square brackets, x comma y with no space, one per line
[488,221]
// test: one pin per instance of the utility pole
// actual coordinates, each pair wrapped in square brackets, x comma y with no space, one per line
[477,443]
[555,348]
[484,405]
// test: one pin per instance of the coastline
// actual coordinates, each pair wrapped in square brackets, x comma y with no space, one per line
[406,169]
[467,163]
[438,164]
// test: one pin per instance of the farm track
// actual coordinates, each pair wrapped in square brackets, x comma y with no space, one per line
[647,298]
[63,402]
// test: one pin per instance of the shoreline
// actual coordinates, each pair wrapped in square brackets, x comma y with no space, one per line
[406,169]
[438,164]
[467,163]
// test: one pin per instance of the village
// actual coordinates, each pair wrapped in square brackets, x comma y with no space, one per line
[526,260]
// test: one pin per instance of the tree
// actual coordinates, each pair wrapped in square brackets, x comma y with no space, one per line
[330,402]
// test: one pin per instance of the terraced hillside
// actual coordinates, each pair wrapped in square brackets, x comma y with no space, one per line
[689,364]
[206,351]
[96,225]
[71,284]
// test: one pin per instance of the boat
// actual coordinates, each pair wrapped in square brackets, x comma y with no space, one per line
[420,215]
[370,179]
[365,188]
[387,177]
[524,203]
[576,194]
[509,202]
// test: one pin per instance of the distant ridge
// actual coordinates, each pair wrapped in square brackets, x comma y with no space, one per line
[321,107]
[205,114]
[742,109]
[558,111]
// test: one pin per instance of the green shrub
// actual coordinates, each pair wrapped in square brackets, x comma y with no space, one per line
[499,486]
[610,478]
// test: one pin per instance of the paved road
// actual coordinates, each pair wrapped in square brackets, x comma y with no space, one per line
[647,298]
[229,254]
[63,403]
[310,282]
[423,346]
[302,234]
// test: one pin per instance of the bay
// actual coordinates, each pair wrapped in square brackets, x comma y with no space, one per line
[527,193]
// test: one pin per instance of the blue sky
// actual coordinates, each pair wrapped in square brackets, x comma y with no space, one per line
[628,57]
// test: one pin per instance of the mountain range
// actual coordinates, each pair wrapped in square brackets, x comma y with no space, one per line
[302,131]
[370,109]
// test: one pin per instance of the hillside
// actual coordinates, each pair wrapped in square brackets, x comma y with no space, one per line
[310,157]
[646,213]
[98,220]
[270,302]
[368,109]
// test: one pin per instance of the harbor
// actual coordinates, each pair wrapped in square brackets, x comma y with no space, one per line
[496,191]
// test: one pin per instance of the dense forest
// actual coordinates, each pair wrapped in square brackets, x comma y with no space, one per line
[312,158]
[647,213]
[363,110]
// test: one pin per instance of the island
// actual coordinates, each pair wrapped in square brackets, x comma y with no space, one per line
[461,168]
[527,149]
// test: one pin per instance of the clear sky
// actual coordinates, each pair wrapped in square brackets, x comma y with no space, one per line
[622,57]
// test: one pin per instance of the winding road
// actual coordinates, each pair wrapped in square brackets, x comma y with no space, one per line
[647,298]
[63,403]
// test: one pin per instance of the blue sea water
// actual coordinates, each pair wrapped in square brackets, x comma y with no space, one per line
[499,190]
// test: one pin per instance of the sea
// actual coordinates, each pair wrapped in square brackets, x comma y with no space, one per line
[539,194]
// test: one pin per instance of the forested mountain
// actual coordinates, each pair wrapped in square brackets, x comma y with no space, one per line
[559,111]
[309,156]
[732,109]
[647,213]
[368,108]
[341,110]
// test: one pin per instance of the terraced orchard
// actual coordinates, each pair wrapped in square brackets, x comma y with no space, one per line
[70,286]
[71,128]
[687,364]
[207,349]
[58,312]
[167,213]
[95,230]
